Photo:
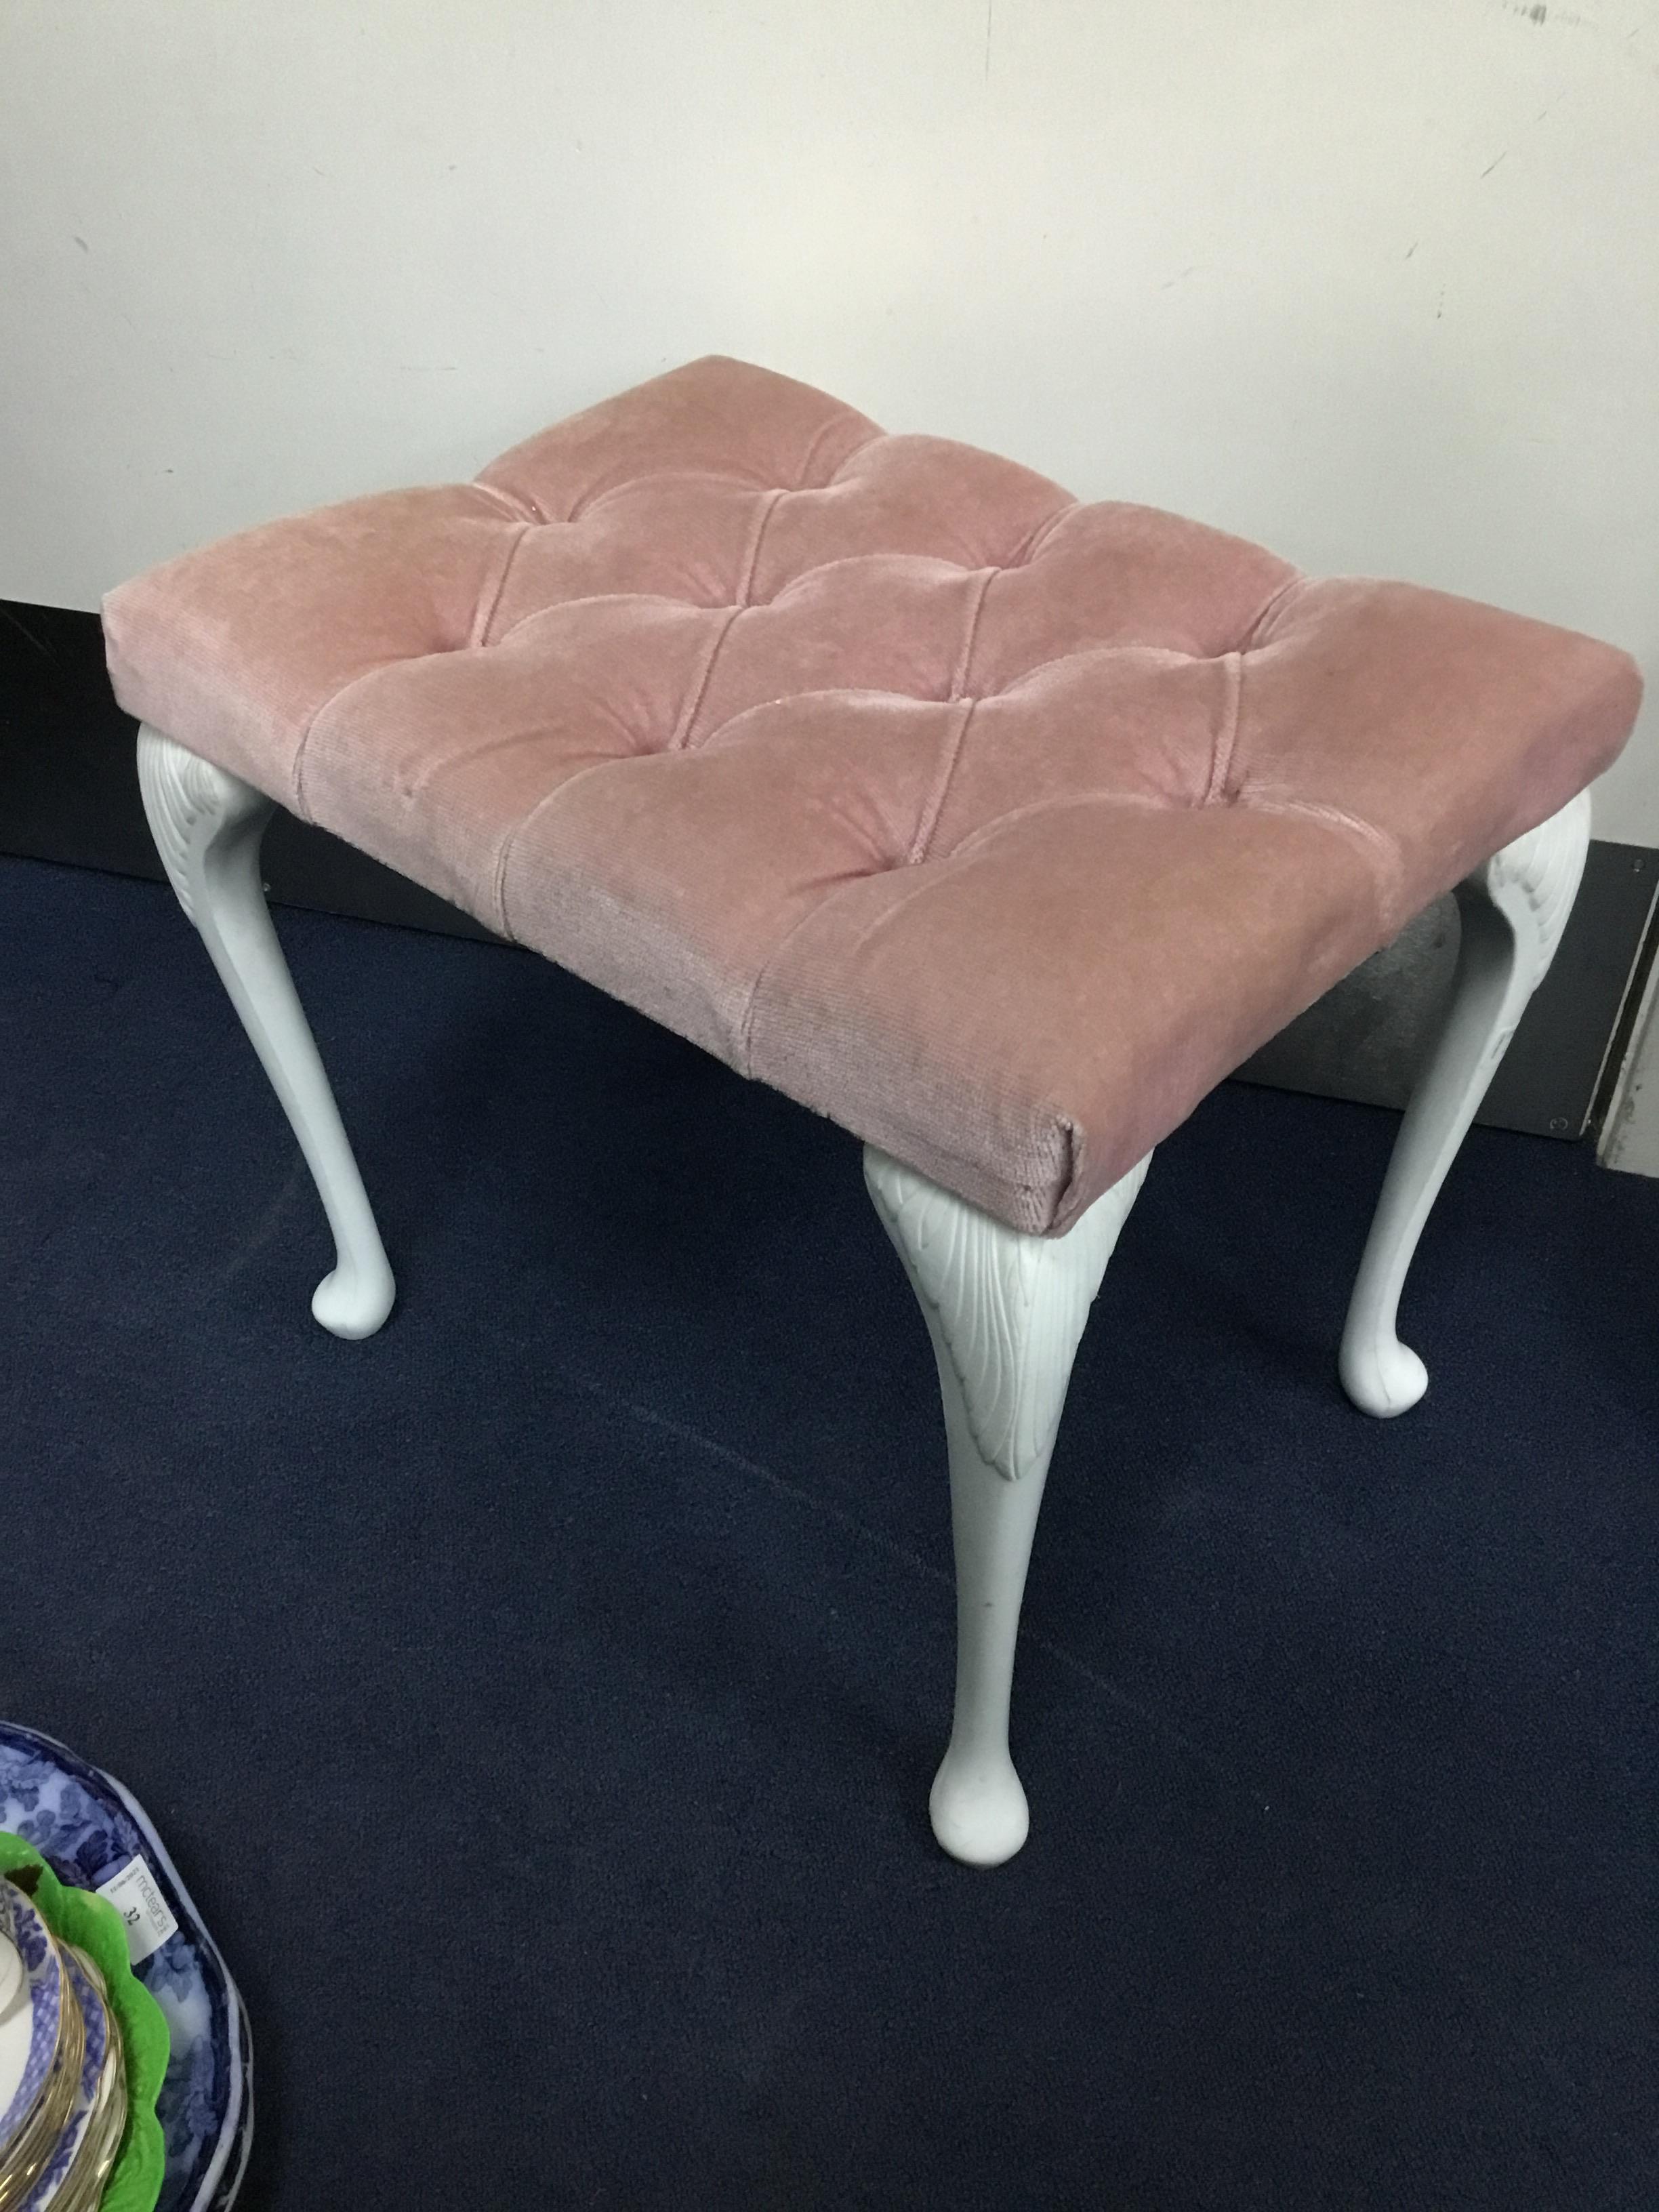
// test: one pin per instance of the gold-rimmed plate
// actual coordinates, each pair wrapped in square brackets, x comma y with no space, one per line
[58,2182]
[93,2138]
[33,2148]
[42,2022]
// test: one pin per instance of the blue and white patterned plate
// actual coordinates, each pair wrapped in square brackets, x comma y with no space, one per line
[22,1924]
[89,1828]
[92,2069]
[16,2019]
[16,2023]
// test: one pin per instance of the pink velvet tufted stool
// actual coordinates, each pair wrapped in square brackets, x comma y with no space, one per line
[996,826]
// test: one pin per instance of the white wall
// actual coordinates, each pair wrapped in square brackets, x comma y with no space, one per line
[1373,283]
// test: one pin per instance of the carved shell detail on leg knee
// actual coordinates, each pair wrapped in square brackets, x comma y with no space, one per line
[182,793]
[1541,871]
[1010,1308]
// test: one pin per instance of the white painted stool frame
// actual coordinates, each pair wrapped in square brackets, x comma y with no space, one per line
[1005,1311]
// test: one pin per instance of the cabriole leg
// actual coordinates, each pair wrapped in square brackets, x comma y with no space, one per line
[1513,911]
[208,825]
[1006,1313]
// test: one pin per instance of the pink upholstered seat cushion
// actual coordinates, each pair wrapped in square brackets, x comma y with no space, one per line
[997,826]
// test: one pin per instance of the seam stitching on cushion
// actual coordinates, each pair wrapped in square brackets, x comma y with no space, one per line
[737,480]
[682,727]
[919,889]
[509,843]
[756,537]
[1270,602]
[479,633]
[1226,736]
[1384,848]
[517,502]
[977,1166]
[813,443]
[322,708]
[682,731]
[1061,801]
[1083,652]
[593,598]
[584,499]
[829,423]
[949,754]
[965,657]
[847,460]
[1075,1145]
[925,880]
[1030,549]
[463,756]
[744,1062]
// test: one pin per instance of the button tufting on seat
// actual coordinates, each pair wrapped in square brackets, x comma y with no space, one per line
[996,825]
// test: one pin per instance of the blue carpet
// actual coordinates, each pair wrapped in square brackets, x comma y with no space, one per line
[541,1699]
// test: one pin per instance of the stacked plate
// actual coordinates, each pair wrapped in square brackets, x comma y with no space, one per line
[95,1835]
[63,2076]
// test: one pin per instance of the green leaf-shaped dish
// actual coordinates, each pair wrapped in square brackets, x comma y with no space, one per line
[93,1925]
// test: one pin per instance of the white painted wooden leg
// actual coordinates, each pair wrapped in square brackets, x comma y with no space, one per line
[208,825]
[1513,911]
[1006,1313]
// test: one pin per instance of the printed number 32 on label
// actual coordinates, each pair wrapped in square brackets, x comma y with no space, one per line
[141,1905]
